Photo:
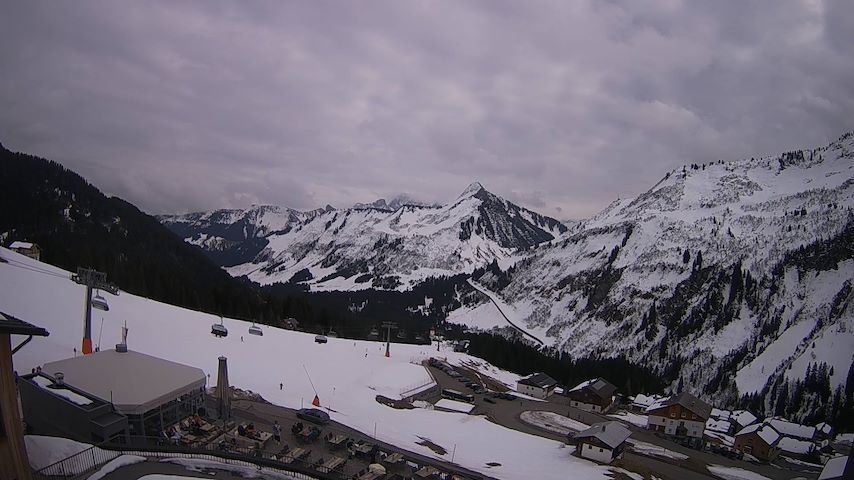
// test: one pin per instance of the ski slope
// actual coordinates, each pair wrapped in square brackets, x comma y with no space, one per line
[348,374]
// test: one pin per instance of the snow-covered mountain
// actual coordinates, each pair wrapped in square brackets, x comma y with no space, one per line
[734,276]
[380,245]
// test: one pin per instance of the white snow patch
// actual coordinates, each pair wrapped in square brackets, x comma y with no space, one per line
[115,464]
[734,473]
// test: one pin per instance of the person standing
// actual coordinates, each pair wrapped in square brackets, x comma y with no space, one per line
[277,432]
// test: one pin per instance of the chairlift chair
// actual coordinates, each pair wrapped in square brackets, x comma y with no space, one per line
[332,333]
[100,303]
[218,329]
[256,330]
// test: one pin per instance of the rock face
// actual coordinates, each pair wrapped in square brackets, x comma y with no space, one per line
[385,245]
[731,277]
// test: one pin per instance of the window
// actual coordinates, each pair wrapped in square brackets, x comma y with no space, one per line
[683,415]
[601,451]
[672,414]
[589,447]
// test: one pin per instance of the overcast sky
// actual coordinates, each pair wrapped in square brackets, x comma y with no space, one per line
[560,106]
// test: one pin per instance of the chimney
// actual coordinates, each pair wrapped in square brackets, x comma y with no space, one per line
[123,347]
[222,391]
[59,378]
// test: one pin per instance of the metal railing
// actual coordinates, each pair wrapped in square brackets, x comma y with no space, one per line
[85,463]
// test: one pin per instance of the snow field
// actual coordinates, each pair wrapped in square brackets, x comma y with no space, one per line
[347,381]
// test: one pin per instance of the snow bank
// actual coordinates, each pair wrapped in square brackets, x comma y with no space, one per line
[631,417]
[454,405]
[645,448]
[242,471]
[733,473]
[43,451]
[115,464]
[553,422]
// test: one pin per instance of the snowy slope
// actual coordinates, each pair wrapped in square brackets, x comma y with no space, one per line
[379,245]
[346,379]
[705,274]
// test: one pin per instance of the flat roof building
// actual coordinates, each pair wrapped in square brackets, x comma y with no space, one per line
[151,392]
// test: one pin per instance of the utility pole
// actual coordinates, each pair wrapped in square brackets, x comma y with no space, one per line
[388,326]
[92,279]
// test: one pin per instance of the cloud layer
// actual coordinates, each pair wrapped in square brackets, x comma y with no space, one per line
[559,106]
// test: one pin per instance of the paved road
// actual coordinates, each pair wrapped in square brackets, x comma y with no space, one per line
[507,414]
[489,295]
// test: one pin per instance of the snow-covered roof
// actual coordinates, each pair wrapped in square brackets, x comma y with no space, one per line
[793,445]
[688,401]
[644,401]
[65,393]
[791,429]
[824,428]
[834,468]
[135,382]
[764,431]
[718,425]
[598,386]
[609,433]
[26,245]
[743,417]
[722,414]
[539,380]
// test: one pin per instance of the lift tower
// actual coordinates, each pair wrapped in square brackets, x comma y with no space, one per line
[92,279]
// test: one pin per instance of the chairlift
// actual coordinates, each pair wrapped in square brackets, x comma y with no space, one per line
[256,330]
[375,332]
[100,303]
[218,329]
[332,333]
[320,339]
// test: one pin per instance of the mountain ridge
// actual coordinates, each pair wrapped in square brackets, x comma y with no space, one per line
[349,248]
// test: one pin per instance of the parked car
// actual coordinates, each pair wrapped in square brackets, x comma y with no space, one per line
[313,415]
[488,399]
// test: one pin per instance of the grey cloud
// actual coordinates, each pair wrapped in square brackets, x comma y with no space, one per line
[559,106]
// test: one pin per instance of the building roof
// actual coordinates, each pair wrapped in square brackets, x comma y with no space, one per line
[609,433]
[15,326]
[791,429]
[133,381]
[599,386]
[688,401]
[824,428]
[539,380]
[21,245]
[834,468]
[743,417]
[793,445]
[765,432]
[645,401]
[721,425]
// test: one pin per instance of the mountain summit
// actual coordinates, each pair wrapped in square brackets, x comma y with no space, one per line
[378,245]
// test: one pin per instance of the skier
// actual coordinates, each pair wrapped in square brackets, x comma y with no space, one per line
[281,386]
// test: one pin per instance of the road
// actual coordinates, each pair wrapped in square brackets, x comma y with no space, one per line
[491,298]
[507,413]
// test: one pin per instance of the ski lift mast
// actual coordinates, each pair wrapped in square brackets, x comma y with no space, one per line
[91,279]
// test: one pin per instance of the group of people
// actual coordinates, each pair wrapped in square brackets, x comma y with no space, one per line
[248,431]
